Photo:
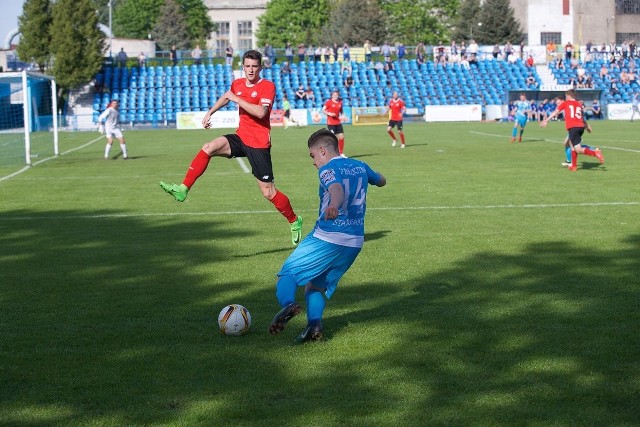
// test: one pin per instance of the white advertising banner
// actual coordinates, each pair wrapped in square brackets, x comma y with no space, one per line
[221,119]
[453,113]
[619,111]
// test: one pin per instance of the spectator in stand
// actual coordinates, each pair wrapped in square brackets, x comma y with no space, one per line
[367,51]
[614,89]
[496,51]
[270,53]
[568,51]
[288,52]
[401,51]
[142,59]
[531,81]
[595,111]
[345,69]
[173,55]
[463,50]
[589,46]
[632,75]
[420,59]
[196,53]
[551,51]
[560,64]
[574,63]
[508,50]
[530,62]
[301,94]
[229,55]
[421,50]
[581,81]
[346,54]
[522,49]
[325,53]
[309,94]
[473,52]
[317,55]
[348,82]
[453,50]
[335,52]
[440,53]
[624,77]
[310,53]
[330,53]
[604,71]
[301,52]
[385,50]
[589,83]
[266,63]
[464,62]
[122,58]
[286,68]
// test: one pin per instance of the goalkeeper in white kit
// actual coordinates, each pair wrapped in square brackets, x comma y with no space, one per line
[108,121]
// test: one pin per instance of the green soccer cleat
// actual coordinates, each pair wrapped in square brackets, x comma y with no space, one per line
[296,230]
[179,192]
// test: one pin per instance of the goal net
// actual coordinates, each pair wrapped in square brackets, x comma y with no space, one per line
[28,122]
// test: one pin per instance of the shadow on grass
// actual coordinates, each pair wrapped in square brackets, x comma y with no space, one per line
[108,320]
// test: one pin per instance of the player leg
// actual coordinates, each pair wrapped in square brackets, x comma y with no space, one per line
[123,146]
[107,147]
[567,151]
[514,131]
[340,137]
[218,147]
[401,132]
[391,134]
[523,123]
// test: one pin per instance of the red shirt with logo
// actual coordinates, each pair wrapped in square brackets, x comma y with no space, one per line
[255,132]
[334,107]
[396,106]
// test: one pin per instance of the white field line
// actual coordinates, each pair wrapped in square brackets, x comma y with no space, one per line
[561,141]
[262,212]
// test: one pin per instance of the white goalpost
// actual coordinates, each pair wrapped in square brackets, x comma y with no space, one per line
[28,117]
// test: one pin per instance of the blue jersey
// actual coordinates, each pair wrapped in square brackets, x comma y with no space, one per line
[521,108]
[347,229]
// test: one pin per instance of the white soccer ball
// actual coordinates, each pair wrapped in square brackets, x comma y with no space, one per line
[234,319]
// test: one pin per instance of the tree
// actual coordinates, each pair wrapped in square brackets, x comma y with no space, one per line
[295,21]
[499,24]
[135,19]
[171,27]
[77,44]
[34,25]
[467,22]
[199,24]
[414,21]
[354,21]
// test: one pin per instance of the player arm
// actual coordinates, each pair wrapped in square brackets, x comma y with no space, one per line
[549,117]
[103,117]
[221,102]
[337,198]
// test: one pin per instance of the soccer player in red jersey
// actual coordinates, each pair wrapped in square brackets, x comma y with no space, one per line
[333,109]
[254,96]
[397,108]
[575,124]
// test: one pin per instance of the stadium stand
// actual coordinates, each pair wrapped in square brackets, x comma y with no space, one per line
[155,94]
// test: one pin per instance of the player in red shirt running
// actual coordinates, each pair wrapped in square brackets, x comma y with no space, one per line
[575,124]
[397,108]
[254,96]
[333,109]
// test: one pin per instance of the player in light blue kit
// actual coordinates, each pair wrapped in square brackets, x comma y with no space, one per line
[522,110]
[328,251]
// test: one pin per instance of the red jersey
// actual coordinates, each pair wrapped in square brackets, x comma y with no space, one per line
[334,107]
[396,106]
[573,111]
[254,132]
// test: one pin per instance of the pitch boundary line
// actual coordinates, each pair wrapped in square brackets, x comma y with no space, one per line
[261,212]
[26,168]
[555,141]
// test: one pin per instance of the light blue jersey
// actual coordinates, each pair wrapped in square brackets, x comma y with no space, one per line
[354,176]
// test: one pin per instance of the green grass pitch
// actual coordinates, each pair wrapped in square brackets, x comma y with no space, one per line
[494,288]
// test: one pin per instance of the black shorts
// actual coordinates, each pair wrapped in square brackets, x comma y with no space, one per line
[397,123]
[335,129]
[287,113]
[575,136]
[259,158]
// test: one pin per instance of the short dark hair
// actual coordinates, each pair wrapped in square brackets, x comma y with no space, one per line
[252,54]
[323,137]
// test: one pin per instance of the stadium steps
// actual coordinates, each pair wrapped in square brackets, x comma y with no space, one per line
[546,76]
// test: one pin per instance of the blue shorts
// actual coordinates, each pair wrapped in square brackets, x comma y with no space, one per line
[521,120]
[318,262]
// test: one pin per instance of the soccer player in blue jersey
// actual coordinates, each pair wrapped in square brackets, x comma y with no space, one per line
[328,251]
[522,110]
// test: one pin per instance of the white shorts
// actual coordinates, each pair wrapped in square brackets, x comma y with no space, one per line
[109,131]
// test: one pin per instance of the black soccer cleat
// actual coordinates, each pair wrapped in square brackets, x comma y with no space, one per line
[283,316]
[310,333]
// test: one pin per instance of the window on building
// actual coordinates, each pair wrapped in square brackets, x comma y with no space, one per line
[550,37]
[245,35]
[627,7]
[625,37]
[222,38]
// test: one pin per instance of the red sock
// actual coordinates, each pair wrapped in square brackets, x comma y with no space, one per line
[392,135]
[589,152]
[283,205]
[196,168]
[341,145]
[402,137]
[574,159]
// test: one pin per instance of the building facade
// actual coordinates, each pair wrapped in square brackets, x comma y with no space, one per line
[237,22]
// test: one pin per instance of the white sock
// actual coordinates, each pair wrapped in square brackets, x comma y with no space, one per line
[123,147]
[107,148]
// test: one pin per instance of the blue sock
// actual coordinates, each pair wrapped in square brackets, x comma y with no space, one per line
[567,151]
[315,306]
[286,290]
[514,132]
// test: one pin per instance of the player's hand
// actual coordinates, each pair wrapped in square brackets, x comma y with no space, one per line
[588,128]
[206,121]
[100,128]
[331,213]
[543,124]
